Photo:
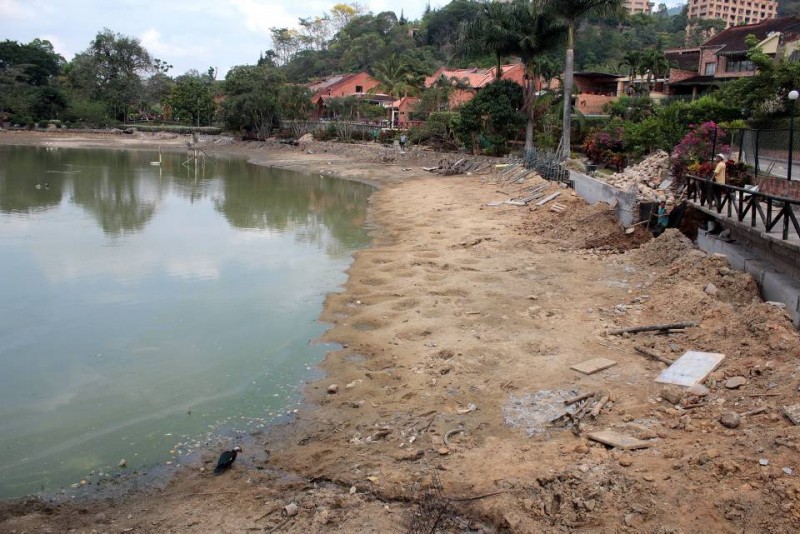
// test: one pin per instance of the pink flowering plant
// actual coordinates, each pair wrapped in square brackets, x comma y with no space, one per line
[697,148]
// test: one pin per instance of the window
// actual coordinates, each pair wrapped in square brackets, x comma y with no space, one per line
[739,65]
[359,88]
[711,69]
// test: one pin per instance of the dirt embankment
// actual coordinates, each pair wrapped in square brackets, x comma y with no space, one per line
[459,328]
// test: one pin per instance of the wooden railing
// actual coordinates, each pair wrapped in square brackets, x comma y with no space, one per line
[741,203]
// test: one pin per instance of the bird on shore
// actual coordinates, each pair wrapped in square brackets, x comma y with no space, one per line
[226,460]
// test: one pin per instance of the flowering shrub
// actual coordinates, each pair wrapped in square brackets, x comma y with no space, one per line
[604,147]
[696,149]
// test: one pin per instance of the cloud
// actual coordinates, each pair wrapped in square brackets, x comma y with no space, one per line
[151,40]
[13,9]
[260,16]
[59,45]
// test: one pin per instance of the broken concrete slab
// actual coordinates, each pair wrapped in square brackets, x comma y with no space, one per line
[793,413]
[617,440]
[691,368]
[593,366]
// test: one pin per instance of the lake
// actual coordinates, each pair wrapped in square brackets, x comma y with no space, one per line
[148,310]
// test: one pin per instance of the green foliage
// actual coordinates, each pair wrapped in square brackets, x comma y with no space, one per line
[492,117]
[631,108]
[438,131]
[35,63]
[109,71]
[86,113]
[179,129]
[192,100]
[252,101]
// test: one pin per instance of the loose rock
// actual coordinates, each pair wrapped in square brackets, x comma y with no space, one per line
[730,419]
[736,382]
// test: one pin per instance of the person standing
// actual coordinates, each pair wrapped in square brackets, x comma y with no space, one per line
[403,141]
[719,170]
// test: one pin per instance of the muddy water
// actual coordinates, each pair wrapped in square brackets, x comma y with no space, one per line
[147,309]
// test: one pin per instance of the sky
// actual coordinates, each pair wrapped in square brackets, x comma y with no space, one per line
[188,34]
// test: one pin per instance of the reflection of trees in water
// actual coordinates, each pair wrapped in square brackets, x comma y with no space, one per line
[116,194]
[284,200]
[19,175]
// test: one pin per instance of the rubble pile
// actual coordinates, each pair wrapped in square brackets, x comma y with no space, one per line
[645,178]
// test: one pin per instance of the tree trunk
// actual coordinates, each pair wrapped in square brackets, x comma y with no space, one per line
[499,72]
[568,67]
[529,102]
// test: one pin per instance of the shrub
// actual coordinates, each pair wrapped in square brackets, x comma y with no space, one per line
[605,147]
[697,147]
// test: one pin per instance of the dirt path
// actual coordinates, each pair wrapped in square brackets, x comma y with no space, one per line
[461,324]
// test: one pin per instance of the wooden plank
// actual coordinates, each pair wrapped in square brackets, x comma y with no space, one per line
[691,368]
[617,440]
[593,366]
[548,198]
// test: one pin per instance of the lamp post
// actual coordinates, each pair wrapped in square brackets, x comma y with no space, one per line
[793,95]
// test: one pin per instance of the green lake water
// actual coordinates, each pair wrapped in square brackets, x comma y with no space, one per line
[146,310]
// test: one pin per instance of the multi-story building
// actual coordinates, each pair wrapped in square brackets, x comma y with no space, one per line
[724,57]
[733,12]
[639,6]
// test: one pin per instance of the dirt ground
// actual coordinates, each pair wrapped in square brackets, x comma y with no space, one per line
[459,327]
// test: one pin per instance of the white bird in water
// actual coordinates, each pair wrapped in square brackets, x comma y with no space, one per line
[157,163]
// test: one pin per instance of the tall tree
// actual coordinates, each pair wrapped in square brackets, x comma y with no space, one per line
[492,32]
[572,12]
[192,98]
[252,98]
[110,70]
[537,33]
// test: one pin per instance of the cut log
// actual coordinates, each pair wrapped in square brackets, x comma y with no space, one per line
[573,400]
[652,328]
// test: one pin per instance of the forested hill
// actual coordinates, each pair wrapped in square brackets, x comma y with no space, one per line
[364,40]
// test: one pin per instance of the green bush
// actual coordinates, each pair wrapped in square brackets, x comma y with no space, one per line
[439,131]
[179,129]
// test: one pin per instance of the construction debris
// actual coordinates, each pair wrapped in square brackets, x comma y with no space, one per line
[793,413]
[593,366]
[548,198]
[446,167]
[558,208]
[691,368]
[647,178]
[617,440]
[652,328]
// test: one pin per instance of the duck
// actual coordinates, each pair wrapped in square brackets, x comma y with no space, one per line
[226,460]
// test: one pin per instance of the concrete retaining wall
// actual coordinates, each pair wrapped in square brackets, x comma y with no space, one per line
[594,191]
[775,285]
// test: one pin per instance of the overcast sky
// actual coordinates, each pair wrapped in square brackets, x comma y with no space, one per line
[186,33]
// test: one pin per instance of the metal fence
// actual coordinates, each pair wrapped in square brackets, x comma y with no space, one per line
[547,163]
[763,152]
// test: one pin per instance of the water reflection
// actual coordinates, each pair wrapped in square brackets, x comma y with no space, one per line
[140,292]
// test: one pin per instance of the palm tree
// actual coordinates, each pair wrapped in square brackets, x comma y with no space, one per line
[444,87]
[573,12]
[632,60]
[657,66]
[396,78]
[537,33]
[492,32]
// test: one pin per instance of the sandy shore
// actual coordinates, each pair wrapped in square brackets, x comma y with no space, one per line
[460,326]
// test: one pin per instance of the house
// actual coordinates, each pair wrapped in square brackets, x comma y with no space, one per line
[723,57]
[595,90]
[474,79]
[343,85]
[401,110]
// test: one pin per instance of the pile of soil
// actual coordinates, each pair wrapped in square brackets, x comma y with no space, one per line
[581,225]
